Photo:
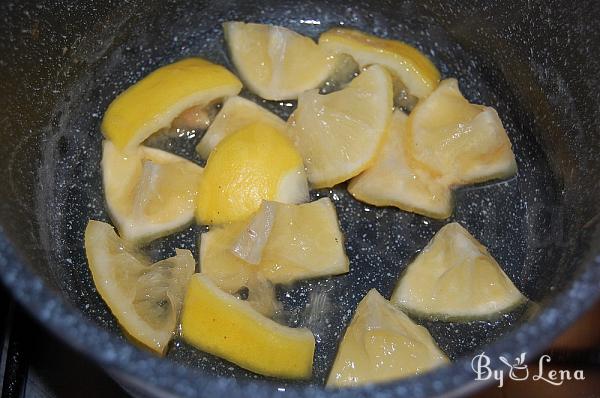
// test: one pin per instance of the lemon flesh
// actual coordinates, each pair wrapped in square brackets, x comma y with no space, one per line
[251,242]
[253,164]
[382,344]
[274,62]
[145,298]
[152,103]
[222,325]
[236,113]
[407,63]
[304,242]
[460,142]
[150,193]
[391,181]
[339,134]
[456,277]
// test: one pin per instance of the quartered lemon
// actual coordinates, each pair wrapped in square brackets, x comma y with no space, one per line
[220,324]
[150,193]
[152,103]
[145,298]
[407,63]
[253,164]
[274,62]
[304,241]
[392,181]
[382,344]
[339,134]
[456,277]
[460,142]
[236,113]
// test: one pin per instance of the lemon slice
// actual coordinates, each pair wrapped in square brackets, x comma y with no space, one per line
[463,143]
[222,325]
[152,103]
[236,114]
[456,277]
[252,164]
[304,242]
[145,298]
[150,193]
[413,68]
[382,344]
[391,181]
[339,134]
[274,62]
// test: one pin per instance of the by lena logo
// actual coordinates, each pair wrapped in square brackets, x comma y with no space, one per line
[518,370]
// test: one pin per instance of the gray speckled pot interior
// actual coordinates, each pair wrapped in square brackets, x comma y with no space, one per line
[535,62]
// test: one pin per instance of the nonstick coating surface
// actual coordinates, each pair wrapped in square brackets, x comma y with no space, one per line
[538,225]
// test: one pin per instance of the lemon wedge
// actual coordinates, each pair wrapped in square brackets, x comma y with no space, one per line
[339,134]
[145,298]
[274,62]
[382,344]
[391,181]
[304,241]
[150,193]
[152,103]
[252,164]
[236,113]
[222,325]
[461,142]
[407,63]
[456,277]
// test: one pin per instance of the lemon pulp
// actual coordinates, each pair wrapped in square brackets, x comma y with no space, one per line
[149,193]
[304,242]
[145,298]
[457,141]
[339,134]
[382,344]
[392,181]
[455,276]
[274,62]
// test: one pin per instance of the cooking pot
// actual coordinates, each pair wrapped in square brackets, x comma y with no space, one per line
[536,62]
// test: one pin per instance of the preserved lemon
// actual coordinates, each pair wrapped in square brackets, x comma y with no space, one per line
[382,344]
[392,181]
[155,101]
[457,141]
[303,241]
[145,298]
[253,164]
[456,277]
[339,134]
[150,193]
[222,325]
[236,113]
[407,63]
[274,62]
